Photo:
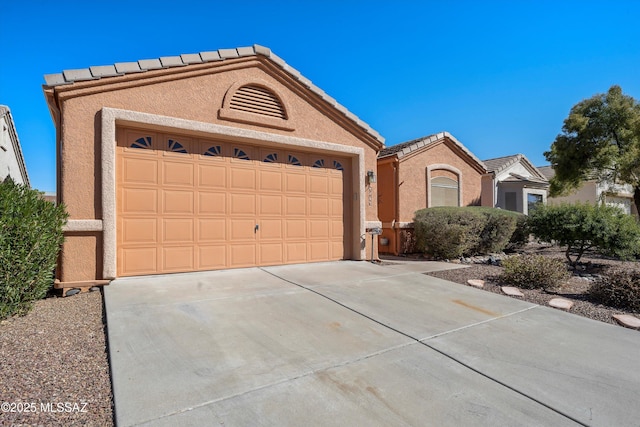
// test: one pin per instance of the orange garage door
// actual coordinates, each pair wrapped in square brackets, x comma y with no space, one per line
[187,204]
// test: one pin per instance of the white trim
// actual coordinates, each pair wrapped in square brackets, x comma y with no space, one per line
[83,225]
[112,117]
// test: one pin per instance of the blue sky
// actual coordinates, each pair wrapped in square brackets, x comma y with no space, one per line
[501,76]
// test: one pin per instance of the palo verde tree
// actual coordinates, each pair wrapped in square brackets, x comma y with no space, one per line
[600,139]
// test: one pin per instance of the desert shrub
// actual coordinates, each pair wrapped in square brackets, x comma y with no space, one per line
[30,239]
[520,235]
[534,272]
[619,289]
[498,229]
[581,227]
[447,232]
[452,232]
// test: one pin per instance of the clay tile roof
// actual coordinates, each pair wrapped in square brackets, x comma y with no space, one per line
[499,164]
[68,77]
[407,147]
[547,171]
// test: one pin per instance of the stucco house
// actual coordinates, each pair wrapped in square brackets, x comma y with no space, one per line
[513,183]
[219,159]
[11,159]
[595,191]
[436,170]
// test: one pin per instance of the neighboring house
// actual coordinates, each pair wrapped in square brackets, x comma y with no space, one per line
[222,159]
[11,160]
[514,184]
[594,191]
[433,171]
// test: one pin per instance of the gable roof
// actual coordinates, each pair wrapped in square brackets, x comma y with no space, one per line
[405,148]
[68,77]
[547,171]
[5,113]
[500,164]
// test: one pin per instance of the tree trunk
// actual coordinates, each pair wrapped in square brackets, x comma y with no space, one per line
[636,198]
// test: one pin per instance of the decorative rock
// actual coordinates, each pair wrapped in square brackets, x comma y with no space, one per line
[627,320]
[94,288]
[72,292]
[476,282]
[561,303]
[511,291]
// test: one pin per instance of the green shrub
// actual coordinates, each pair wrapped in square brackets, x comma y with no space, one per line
[619,289]
[30,238]
[498,229]
[581,227]
[520,236]
[452,232]
[447,232]
[534,272]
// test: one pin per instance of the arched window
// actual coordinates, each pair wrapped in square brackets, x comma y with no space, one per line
[444,191]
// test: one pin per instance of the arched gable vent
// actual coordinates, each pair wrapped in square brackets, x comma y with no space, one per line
[257,100]
[257,104]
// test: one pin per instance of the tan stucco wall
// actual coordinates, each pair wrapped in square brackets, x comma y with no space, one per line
[196,94]
[412,185]
[410,190]
[587,193]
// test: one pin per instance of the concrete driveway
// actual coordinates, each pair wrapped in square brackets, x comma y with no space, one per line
[356,344]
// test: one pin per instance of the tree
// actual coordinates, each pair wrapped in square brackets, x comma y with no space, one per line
[600,139]
[581,227]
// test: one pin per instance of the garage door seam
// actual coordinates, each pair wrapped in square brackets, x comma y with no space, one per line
[443,353]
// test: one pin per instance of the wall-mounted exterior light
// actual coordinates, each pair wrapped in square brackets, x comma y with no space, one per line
[371,176]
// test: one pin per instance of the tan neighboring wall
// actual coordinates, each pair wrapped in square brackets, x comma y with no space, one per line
[405,189]
[194,94]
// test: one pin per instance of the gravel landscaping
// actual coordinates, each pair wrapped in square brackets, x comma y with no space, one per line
[575,289]
[55,369]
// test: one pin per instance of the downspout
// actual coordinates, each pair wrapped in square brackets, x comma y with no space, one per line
[396,215]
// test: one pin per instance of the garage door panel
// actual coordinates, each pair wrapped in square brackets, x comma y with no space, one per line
[242,204]
[295,229]
[295,252]
[318,229]
[212,230]
[178,230]
[242,229]
[271,253]
[318,184]
[139,230]
[242,255]
[295,182]
[212,203]
[318,251]
[212,176]
[136,261]
[179,258]
[318,206]
[337,183]
[337,250]
[295,206]
[212,257]
[271,229]
[178,174]
[336,208]
[270,180]
[140,171]
[177,202]
[242,179]
[270,205]
[139,201]
[337,230]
